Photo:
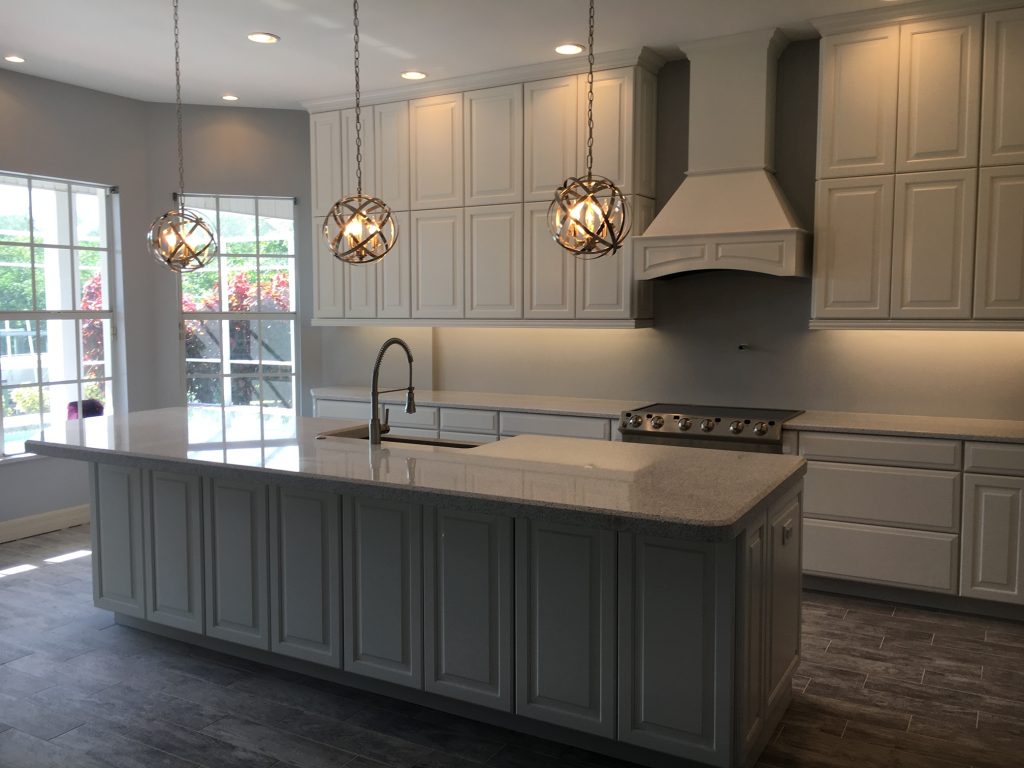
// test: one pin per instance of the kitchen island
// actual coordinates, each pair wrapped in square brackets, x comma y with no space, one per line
[639,600]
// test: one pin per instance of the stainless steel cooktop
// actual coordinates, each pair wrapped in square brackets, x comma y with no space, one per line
[669,422]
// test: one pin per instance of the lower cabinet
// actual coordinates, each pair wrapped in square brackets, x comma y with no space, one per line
[236,559]
[305,553]
[382,590]
[467,606]
[784,585]
[173,532]
[565,625]
[751,689]
[117,539]
[992,553]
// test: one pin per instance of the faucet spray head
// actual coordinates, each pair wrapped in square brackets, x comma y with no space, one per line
[410,401]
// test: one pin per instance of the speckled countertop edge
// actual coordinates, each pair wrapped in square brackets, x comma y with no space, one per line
[942,427]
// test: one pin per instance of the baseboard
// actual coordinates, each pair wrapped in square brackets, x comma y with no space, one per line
[44,522]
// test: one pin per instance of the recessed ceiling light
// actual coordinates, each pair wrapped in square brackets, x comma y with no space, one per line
[569,49]
[412,74]
[14,59]
[267,38]
[229,97]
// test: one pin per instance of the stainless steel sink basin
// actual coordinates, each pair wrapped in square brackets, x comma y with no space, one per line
[363,433]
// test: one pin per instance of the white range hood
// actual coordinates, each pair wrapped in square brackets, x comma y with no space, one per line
[729,212]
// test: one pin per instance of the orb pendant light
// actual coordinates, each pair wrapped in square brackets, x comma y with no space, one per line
[180,239]
[359,229]
[588,216]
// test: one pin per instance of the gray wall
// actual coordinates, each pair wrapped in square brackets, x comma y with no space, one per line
[52,129]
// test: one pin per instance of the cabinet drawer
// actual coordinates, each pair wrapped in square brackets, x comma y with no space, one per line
[467,420]
[426,417]
[396,431]
[877,449]
[873,553]
[468,437]
[994,458]
[915,498]
[561,426]
[343,409]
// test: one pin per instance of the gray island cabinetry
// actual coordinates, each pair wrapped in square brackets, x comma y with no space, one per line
[641,601]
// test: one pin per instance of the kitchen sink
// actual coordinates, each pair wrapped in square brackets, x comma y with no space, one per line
[362,433]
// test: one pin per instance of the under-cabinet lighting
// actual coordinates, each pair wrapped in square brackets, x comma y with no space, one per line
[412,74]
[569,49]
[266,38]
[69,556]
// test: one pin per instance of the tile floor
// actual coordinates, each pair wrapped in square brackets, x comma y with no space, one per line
[880,686]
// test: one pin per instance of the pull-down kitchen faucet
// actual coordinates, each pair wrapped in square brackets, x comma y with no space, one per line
[377,428]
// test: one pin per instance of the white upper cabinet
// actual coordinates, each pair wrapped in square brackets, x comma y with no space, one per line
[857,103]
[361,289]
[999,263]
[933,241]
[437,262]
[493,130]
[853,247]
[613,126]
[349,152]
[325,160]
[549,137]
[549,271]
[939,94]
[391,154]
[394,292]
[1002,114]
[494,261]
[329,294]
[436,152]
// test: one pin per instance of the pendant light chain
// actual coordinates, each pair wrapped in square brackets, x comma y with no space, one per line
[590,94]
[359,120]
[177,105]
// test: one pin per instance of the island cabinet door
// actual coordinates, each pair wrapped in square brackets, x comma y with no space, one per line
[783,598]
[467,601]
[382,590]
[305,586]
[565,625]
[668,657]
[237,585]
[751,589]
[117,539]
[173,530]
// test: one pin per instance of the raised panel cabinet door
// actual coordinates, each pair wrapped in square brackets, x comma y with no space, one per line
[361,289]
[435,152]
[383,590]
[992,544]
[999,258]
[549,271]
[643,215]
[668,660]
[613,126]
[549,135]
[236,560]
[751,634]
[857,103]
[645,135]
[117,573]
[1002,89]
[783,599]
[467,604]
[329,287]
[391,154]
[933,244]
[173,529]
[305,584]
[325,160]
[939,94]
[438,261]
[604,286]
[394,287]
[493,130]
[853,247]
[565,625]
[494,261]
[349,181]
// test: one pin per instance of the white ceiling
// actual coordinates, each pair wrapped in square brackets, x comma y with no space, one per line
[125,46]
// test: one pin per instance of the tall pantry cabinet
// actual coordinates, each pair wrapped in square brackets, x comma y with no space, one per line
[920,192]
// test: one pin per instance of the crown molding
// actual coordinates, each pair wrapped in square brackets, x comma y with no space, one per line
[643,57]
[907,12]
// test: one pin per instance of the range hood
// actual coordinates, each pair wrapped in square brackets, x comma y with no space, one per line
[729,212]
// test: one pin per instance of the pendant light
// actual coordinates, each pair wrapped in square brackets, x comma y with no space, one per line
[180,239]
[588,216]
[359,229]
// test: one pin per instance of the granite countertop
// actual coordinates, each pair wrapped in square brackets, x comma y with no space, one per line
[693,493]
[950,427]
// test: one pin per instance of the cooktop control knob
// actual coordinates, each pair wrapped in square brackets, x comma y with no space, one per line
[736,427]
[706,425]
[760,429]
[657,422]
[684,424]
[634,422]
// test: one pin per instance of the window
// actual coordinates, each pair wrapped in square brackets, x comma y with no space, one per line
[56,319]
[238,312]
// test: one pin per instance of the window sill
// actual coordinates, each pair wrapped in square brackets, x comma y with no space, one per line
[18,458]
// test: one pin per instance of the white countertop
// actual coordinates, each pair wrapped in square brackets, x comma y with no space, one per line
[687,492]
